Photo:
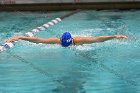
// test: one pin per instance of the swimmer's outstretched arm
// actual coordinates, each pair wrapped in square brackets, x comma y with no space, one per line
[35,39]
[76,40]
[88,40]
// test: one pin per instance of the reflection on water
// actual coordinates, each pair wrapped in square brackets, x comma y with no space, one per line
[110,22]
[73,83]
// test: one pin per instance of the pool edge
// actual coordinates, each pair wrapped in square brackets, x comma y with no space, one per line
[70,6]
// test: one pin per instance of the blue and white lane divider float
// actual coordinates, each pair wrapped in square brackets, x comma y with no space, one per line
[41,28]
[7,46]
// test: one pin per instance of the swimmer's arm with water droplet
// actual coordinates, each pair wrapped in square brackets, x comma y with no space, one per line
[17,38]
[105,38]
[88,40]
[12,39]
[35,39]
[41,40]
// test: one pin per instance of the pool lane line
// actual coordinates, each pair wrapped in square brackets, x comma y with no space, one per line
[106,68]
[41,71]
[6,46]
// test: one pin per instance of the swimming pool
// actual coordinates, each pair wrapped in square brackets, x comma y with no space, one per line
[108,67]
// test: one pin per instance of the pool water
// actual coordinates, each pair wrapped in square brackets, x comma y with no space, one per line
[108,67]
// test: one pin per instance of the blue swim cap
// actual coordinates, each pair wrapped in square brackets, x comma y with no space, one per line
[66,39]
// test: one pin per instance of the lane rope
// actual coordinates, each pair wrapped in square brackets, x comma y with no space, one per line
[7,46]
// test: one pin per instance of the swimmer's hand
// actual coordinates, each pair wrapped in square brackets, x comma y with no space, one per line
[1,47]
[12,39]
[120,36]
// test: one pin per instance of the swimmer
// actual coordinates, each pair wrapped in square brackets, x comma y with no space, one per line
[66,39]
